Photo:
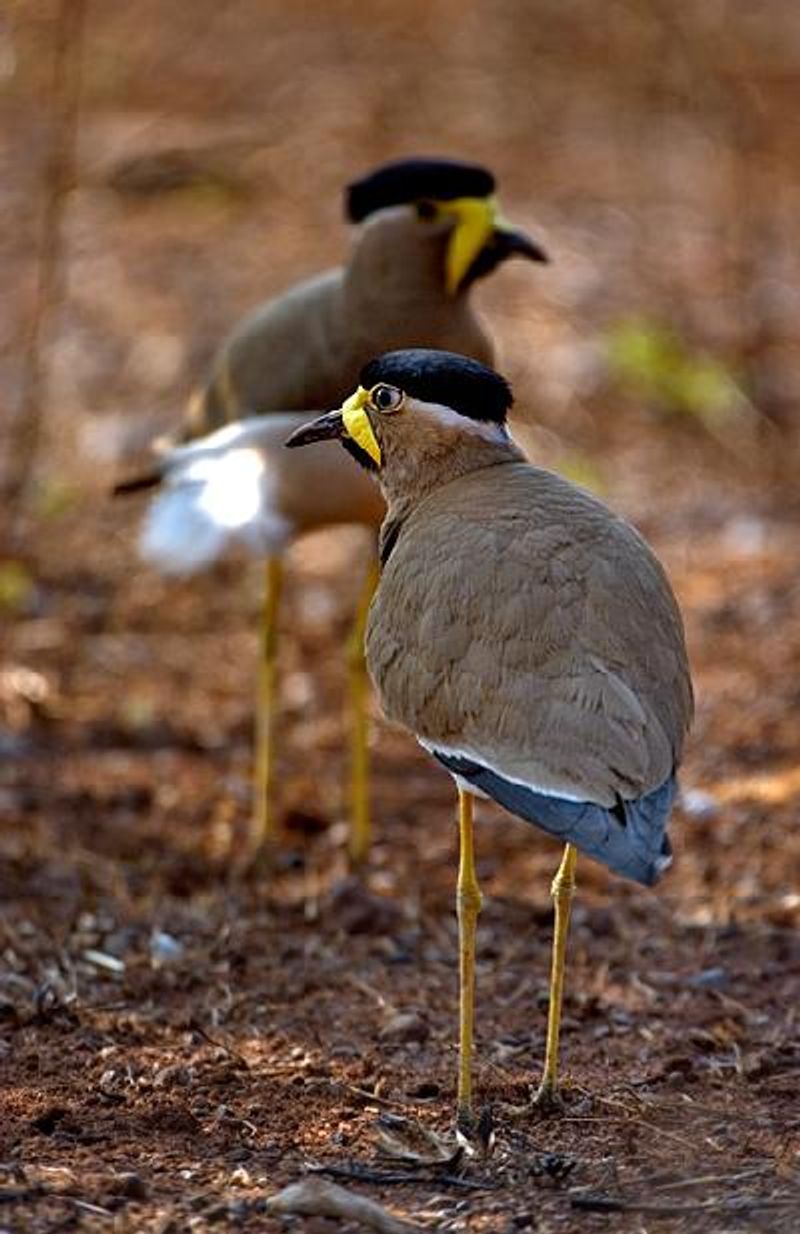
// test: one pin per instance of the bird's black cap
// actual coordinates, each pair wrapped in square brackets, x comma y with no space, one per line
[423,179]
[444,377]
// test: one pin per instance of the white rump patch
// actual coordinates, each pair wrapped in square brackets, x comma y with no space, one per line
[210,501]
[464,786]
[471,756]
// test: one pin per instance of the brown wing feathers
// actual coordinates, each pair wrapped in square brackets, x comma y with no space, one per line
[539,630]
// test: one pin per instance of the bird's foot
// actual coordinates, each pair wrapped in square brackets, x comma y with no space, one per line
[465,1120]
[475,1133]
[547,1099]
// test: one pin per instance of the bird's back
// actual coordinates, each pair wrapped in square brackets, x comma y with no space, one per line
[518,621]
[303,350]
[288,354]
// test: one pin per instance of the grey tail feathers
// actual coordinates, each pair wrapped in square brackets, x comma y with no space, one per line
[629,837]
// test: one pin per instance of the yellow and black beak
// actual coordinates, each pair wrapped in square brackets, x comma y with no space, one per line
[349,424]
[481,240]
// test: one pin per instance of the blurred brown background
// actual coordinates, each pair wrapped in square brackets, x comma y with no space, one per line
[652,148]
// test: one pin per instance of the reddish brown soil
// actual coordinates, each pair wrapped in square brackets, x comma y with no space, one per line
[179,1041]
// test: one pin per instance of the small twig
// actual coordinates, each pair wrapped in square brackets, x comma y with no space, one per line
[777,1077]
[364,1094]
[611,1204]
[86,1207]
[626,1117]
[365,1174]
[219,1045]
[619,1118]
[707,1179]
[25,1195]
[381,1001]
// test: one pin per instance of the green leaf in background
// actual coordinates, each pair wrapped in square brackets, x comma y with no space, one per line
[55,497]
[581,469]
[659,366]
[16,586]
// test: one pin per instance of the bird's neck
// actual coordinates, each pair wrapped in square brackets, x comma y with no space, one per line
[398,261]
[408,479]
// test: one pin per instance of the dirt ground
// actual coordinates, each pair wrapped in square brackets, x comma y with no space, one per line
[179,1040]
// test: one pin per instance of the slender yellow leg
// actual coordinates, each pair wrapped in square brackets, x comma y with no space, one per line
[563,888]
[468,906]
[360,829]
[264,826]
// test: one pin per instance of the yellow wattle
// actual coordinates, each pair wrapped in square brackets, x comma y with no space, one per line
[357,425]
[475,222]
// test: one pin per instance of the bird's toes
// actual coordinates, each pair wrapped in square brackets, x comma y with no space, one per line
[547,1099]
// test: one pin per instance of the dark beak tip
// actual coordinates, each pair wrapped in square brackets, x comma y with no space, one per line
[295,439]
[533,250]
[325,428]
[291,442]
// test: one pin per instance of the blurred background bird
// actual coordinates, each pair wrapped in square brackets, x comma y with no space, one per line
[524,633]
[428,230]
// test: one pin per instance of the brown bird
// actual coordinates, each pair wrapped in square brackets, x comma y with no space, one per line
[526,634]
[429,229]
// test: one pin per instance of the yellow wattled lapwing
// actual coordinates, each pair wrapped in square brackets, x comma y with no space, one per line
[526,634]
[428,230]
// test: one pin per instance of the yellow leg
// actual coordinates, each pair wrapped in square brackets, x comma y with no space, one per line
[562,890]
[468,906]
[264,826]
[360,830]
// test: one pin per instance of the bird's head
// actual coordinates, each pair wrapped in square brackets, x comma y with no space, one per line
[418,417]
[451,198]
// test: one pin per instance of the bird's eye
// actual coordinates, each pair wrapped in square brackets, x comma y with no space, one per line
[386,398]
[426,210]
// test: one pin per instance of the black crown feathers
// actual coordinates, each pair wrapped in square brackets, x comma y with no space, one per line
[422,179]
[444,377]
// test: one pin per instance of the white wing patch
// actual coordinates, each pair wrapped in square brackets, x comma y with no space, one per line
[209,502]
